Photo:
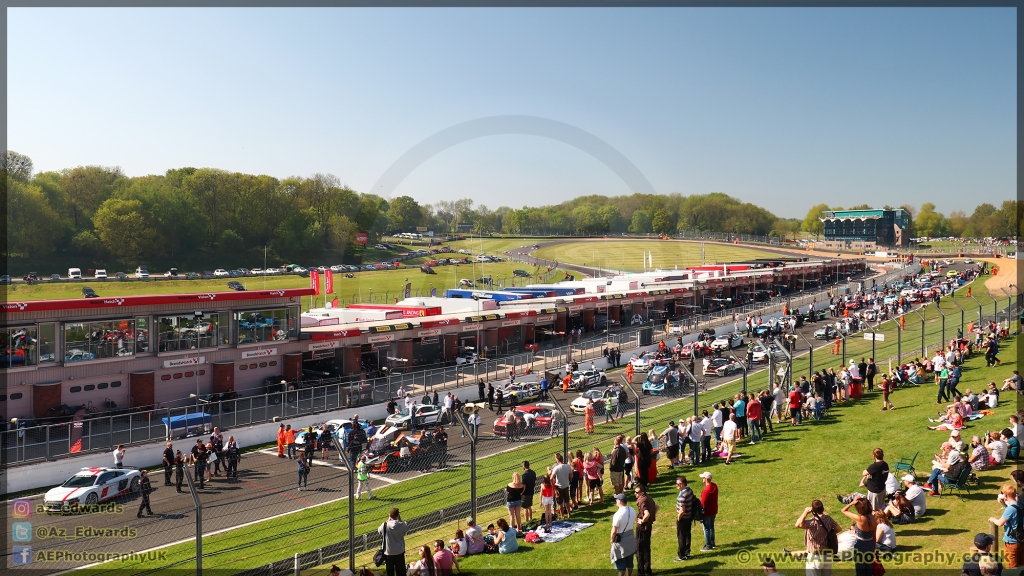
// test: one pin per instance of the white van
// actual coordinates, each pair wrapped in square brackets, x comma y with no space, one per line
[142,273]
[74,273]
[101,274]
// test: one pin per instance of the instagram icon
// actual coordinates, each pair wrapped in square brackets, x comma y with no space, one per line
[21,508]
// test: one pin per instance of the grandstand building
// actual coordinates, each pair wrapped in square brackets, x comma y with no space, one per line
[866,230]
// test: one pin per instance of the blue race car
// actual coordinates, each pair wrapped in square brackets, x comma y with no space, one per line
[658,379]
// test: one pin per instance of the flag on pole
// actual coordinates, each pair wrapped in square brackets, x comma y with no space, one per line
[328,281]
[314,280]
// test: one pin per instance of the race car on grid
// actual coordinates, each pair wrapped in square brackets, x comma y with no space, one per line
[89,487]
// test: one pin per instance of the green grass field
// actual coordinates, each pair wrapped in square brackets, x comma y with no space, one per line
[628,254]
[493,246]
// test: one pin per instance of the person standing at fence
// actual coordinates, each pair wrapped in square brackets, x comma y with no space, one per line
[232,455]
[609,408]
[620,408]
[144,489]
[281,442]
[529,480]
[393,532]
[168,463]
[474,422]
[709,505]
[561,474]
[684,519]
[544,387]
[119,456]
[363,477]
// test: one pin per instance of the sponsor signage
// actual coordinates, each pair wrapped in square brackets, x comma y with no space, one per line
[626,301]
[439,323]
[544,319]
[325,345]
[874,336]
[601,305]
[362,238]
[314,281]
[125,301]
[507,323]
[328,281]
[259,353]
[336,334]
[381,338]
[648,299]
[425,333]
[407,311]
[482,318]
[390,328]
[523,314]
[469,328]
[575,309]
[179,362]
[584,300]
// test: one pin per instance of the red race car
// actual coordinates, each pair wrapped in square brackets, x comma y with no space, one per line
[534,417]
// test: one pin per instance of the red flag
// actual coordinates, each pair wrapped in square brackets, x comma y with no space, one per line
[328,282]
[314,280]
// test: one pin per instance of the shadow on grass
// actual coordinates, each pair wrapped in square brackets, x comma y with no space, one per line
[932,532]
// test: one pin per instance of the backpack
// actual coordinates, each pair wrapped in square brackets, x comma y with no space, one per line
[697,510]
[832,539]
[1017,531]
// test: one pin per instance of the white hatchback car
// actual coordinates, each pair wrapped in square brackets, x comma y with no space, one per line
[220,272]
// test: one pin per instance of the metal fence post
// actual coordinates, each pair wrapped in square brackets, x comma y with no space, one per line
[636,398]
[199,521]
[899,343]
[696,389]
[343,456]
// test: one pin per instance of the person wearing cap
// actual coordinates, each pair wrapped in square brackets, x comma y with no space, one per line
[942,468]
[915,494]
[956,440]
[647,510]
[684,519]
[709,502]
[980,552]
[623,540]
[769,568]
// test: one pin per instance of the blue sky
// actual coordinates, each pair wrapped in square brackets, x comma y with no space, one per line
[781,107]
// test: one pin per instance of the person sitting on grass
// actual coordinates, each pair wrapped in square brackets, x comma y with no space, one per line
[885,534]
[505,540]
[951,421]
[900,510]
[979,456]
[475,543]
[1012,445]
[458,545]
[997,449]
[490,546]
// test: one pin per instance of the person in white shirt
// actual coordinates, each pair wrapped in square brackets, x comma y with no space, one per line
[916,495]
[119,456]
[696,435]
[780,402]
[730,434]
[716,425]
[892,484]
[705,443]
[853,370]
[622,533]
[997,449]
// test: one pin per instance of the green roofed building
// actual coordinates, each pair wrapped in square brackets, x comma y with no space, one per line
[866,229]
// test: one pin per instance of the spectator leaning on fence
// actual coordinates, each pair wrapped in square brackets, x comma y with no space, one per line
[393,531]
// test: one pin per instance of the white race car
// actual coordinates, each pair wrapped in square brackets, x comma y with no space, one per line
[727,342]
[584,379]
[579,405]
[646,361]
[425,414]
[89,488]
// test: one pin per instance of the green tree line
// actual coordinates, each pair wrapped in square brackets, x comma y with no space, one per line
[986,221]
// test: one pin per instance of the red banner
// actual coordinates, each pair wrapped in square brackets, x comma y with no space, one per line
[335,334]
[314,281]
[328,282]
[362,238]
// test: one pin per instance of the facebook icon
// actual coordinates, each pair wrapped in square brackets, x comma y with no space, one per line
[21,555]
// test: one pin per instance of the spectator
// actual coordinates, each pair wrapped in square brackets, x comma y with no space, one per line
[981,551]
[547,500]
[1016,426]
[997,449]
[709,503]
[885,534]
[979,458]
[474,537]
[623,540]
[684,519]
[730,434]
[865,529]
[393,532]
[647,510]
[754,418]
[529,480]
[1011,520]
[1012,444]
[459,545]
[424,565]
[444,559]
[769,568]
[915,494]
[694,437]
[561,473]
[873,478]
[514,500]
[119,456]
[795,400]
[705,441]
[1014,382]
[671,437]
[817,527]
[506,538]
[616,465]
[945,468]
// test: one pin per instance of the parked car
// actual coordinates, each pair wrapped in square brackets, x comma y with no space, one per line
[523,391]
[121,276]
[5,279]
[89,292]
[236,286]
[385,451]
[537,418]
[142,273]
[826,333]
[584,379]
[658,381]
[100,274]
[727,342]
[74,273]
[579,405]
[193,276]
[730,366]
[207,274]
[89,487]
[646,361]
[54,277]
[425,414]
[220,273]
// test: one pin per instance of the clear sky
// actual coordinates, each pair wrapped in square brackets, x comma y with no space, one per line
[784,108]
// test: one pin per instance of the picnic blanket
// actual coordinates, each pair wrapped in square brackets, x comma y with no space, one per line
[561,529]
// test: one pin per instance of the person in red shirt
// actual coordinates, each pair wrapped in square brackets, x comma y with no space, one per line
[754,417]
[795,400]
[709,502]
[886,389]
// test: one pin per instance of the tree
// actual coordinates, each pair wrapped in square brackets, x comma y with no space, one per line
[17,166]
[32,228]
[404,214]
[124,229]
[957,223]
[641,222]
[812,223]
[931,223]
[664,222]
[86,187]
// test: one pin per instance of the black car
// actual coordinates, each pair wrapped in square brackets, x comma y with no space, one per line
[89,292]
[236,286]
[192,276]
[121,276]
[427,269]
[207,274]
[234,274]
[521,273]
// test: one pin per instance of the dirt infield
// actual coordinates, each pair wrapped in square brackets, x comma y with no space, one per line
[1000,283]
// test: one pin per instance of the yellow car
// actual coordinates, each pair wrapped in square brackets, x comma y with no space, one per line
[952,274]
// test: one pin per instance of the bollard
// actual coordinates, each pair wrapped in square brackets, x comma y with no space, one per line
[298,571]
